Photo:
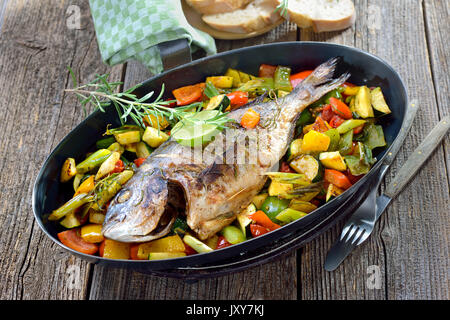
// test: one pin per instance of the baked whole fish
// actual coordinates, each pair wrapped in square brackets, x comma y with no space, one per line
[211,185]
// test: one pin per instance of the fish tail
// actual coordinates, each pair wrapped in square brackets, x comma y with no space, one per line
[322,73]
[324,89]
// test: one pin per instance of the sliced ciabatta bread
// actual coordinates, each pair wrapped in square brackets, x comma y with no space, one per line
[321,15]
[255,16]
[217,6]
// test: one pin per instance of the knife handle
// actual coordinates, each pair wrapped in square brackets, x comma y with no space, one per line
[410,114]
[418,157]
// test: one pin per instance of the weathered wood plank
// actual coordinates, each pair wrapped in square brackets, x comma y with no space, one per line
[251,284]
[36,46]
[409,243]
[438,38]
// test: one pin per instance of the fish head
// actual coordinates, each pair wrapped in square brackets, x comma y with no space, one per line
[140,211]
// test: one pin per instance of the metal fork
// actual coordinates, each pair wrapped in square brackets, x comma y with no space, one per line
[361,223]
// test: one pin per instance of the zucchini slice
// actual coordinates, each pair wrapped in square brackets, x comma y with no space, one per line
[378,102]
[309,166]
[243,218]
[154,137]
[363,105]
[128,137]
[196,244]
[333,160]
[259,199]
[295,149]
[333,192]
[221,101]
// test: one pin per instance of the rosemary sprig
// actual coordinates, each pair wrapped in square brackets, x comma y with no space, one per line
[100,93]
[283,8]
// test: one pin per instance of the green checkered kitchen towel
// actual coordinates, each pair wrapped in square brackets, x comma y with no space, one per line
[131,29]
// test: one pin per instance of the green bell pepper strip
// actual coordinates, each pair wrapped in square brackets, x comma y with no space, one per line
[335,137]
[105,142]
[348,125]
[356,166]
[289,215]
[374,136]
[281,79]
[93,161]
[345,143]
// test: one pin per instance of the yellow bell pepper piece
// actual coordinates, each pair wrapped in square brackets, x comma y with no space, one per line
[92,233]
[116,250]
[166,244]
[315,141]
[221,81]
[86,187]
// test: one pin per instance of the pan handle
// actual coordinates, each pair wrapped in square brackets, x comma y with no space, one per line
[174,53]
[410,114]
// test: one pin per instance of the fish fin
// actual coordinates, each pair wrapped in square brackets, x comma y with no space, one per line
[322,73]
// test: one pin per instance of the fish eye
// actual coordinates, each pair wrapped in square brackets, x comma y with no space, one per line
[124,196]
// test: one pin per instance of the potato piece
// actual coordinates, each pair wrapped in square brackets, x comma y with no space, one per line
[68,170]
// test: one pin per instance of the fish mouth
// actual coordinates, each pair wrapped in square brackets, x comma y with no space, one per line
[123,232]
[125,223]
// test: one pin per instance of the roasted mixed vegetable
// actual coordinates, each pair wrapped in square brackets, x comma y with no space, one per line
[332,149]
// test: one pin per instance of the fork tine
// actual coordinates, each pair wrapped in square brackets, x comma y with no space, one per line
[360,232]
[350,233]
[345,231]
[364,236]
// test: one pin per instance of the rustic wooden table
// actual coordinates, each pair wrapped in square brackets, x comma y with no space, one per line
[409,246]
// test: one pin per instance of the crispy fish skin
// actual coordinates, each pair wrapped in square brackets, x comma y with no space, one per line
[219,186]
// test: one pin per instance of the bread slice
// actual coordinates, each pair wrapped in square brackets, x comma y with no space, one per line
[217,6]
[255,16]
[321,15]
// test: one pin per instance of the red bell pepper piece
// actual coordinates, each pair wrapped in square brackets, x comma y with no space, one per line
[262,219]
[336,121]
[73,240]
[266,71]
[337,178]
[340,108]
[222,243]
[237,98]
[139,161]
[257,230]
